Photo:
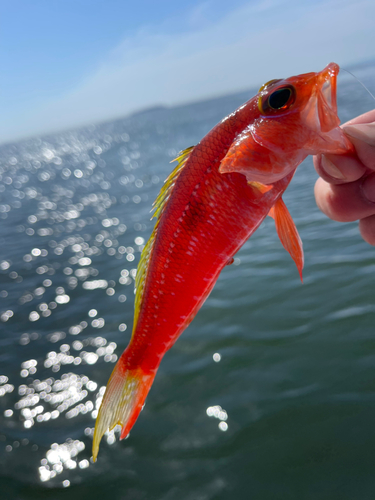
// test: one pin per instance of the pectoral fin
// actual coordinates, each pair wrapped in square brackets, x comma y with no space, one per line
[259,189]
[288,233]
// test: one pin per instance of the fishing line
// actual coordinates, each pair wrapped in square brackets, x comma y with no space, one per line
[358,80]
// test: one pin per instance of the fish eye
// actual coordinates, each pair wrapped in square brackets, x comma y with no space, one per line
[280,99]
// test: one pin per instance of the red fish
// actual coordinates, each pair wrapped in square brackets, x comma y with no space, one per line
[217,196]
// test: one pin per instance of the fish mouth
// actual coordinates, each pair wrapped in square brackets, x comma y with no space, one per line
[326,97]
[320,114]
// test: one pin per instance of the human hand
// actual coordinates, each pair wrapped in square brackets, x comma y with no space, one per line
[345,191]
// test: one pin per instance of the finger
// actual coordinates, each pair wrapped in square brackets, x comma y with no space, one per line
[367,229]
[338,169]
[363,138]
[346,202]
[368,188]
[365,118]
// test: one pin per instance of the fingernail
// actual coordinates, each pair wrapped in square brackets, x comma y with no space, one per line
[368,187]
[331,169]
[364,132]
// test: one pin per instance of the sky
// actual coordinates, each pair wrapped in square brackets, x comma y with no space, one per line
[73,62]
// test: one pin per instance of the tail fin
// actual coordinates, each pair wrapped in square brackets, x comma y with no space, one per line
[122,402]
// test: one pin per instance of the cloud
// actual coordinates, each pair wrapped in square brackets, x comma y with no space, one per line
[205,58]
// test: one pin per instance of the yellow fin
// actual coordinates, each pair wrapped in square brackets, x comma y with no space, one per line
[158,205]
[122,402]
[259,188]
[288,233]
[141,274]
[169,182]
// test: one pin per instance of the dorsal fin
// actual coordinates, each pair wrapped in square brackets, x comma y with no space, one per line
[158,207]
[169,182]
[141,275]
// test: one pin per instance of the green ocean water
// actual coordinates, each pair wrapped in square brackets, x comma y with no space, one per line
[269,394]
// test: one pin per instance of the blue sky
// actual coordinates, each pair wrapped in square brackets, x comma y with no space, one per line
[70,62]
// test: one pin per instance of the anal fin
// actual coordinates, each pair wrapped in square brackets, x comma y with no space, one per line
[288,234]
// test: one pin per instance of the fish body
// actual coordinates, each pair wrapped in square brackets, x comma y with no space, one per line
[218,195]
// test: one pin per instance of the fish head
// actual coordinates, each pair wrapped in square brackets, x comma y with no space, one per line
[295,117]
[305,106]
